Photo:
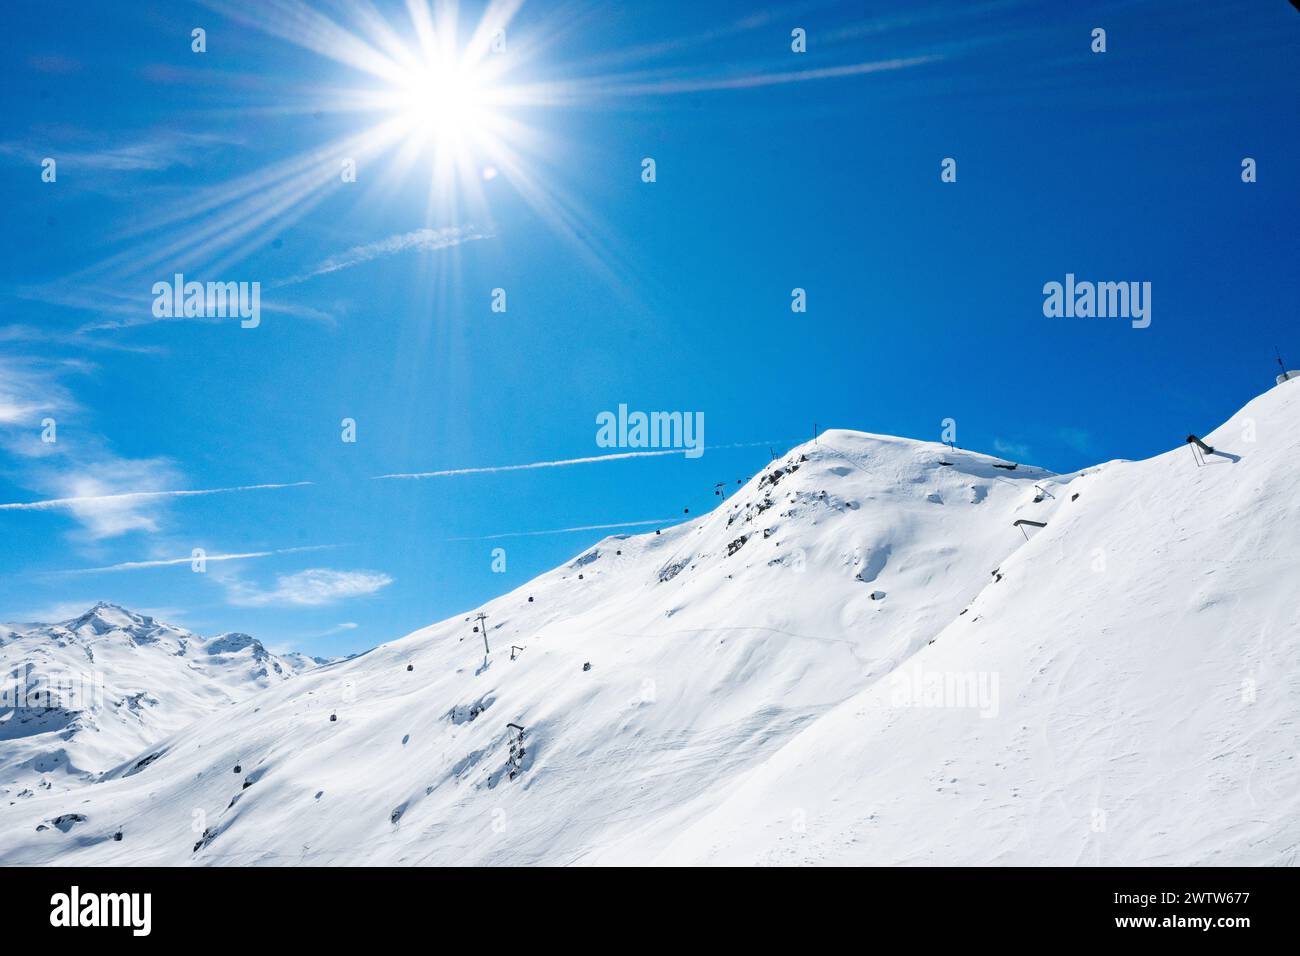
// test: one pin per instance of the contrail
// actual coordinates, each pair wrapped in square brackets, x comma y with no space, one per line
[586,527]
[771,79]
[573,91]
[50,503]
[429,240]
[561,462]
[166,562]
[127,496]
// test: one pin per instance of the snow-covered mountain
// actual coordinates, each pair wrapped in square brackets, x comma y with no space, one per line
[860,657]
[79,697]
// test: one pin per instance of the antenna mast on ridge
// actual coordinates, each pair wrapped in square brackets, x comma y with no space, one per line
[1286,375]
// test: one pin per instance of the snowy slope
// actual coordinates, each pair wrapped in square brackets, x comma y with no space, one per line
[743,700]
[1145,645]
[84,695]
[703,663]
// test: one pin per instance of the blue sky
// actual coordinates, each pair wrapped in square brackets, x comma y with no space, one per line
[775,170]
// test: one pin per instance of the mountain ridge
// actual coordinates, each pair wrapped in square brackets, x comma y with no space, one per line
[85,693]
[731,689]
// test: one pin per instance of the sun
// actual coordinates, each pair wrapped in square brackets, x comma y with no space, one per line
[442,111]
[447,102]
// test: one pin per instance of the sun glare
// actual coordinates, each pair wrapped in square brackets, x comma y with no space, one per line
[446,102]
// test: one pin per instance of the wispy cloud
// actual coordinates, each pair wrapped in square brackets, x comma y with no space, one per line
[339,628]
[29,333]
[297,310]
[89,488]
[52,613]
[214,230]
[108,494]
[428,240]
[291,645]
[1016,450]
[29,390]
[97,296]
[312,587]
[759,79]
[169,562]
[139,311]
[580,90]
[151,153]
[1077,438]
[585,527]
[53,63]
[84,472]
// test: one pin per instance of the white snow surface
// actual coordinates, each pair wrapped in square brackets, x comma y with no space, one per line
[81,696]
[883,671]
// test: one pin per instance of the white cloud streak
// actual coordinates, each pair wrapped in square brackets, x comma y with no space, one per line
[753,80]
[169,562]
[29,389]
[154,153]
[559,463]
[580,90]
[428,240]
[309,588]
[1015,449]
[28,334]
[132,496]
[586,527]
[82,473]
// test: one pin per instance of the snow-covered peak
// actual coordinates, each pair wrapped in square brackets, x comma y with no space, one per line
[1124,693]
[105,618]
[709,643]
[83,694]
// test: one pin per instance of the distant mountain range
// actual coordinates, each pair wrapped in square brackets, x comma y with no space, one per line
[80,696]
